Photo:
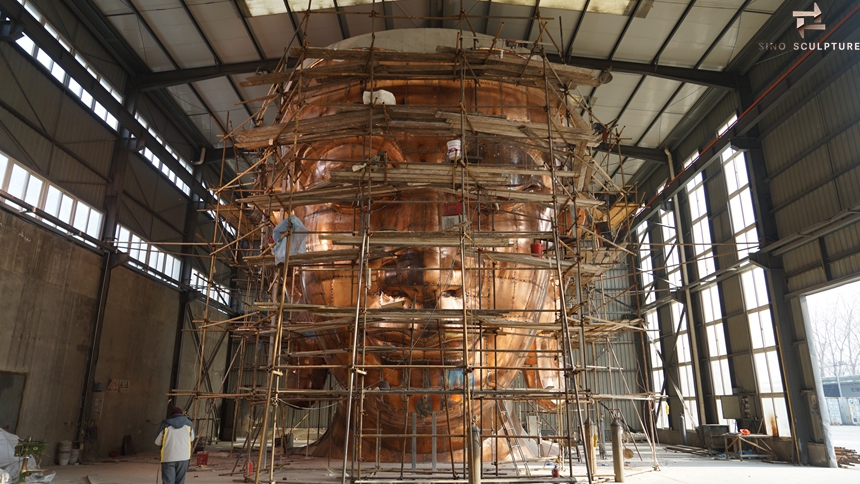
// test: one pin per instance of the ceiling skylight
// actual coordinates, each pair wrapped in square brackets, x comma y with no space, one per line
[256,8]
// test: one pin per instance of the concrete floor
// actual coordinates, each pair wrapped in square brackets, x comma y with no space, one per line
[847,436]
[674,468]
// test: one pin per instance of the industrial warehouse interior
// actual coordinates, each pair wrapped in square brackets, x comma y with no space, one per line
[430,241]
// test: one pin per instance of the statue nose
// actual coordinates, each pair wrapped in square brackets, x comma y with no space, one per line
[420,276]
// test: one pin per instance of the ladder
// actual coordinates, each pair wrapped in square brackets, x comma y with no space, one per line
[507,429]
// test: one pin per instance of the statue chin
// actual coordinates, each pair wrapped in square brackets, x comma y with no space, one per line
[416,369]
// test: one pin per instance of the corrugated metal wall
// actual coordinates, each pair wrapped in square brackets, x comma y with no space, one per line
[812,155]
[68,24]
[806,193]
[29,97]
[163,125]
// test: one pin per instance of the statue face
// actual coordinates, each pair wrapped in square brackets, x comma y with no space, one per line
[429,278]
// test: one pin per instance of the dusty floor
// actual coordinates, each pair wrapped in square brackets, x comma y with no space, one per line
[674,468]
[846,436]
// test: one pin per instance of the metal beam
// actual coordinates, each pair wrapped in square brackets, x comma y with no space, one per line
[625,29]
[674,31]
[531,26]
[248,30]
[728,26]
[638,152]
[772,29]
[782,87]
[769,32]
[578,26]
[45,41]
[648,128]
[794,357]
[116,45]
[163,79]
[388,12]
[722,80]
[341,20]
[213,52]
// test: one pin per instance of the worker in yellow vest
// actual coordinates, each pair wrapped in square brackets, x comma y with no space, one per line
[175,437]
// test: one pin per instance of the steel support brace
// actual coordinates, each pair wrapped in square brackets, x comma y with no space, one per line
[791,359]
[779,90]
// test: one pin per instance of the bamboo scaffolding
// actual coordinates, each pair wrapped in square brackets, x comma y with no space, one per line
[271,324]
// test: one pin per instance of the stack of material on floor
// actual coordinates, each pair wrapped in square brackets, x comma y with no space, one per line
[846,457]
[687,449]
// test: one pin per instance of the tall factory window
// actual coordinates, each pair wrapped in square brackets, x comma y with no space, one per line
[22,183]
[765,357]
[717,351]
[740,201]
[60,74]
[148,257]
[671,249]
[701,229]
[646,265]
[686,386]
[652,326]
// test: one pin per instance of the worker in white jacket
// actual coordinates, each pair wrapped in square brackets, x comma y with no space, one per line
[175,437]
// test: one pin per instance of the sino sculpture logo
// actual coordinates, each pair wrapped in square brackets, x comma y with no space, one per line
[803,25]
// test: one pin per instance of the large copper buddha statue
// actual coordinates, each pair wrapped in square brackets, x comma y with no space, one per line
[418,365]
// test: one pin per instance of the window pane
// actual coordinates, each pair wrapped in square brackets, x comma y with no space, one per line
[86,98]
[766,322]
[737,214]
[112,122]
[44,59]
[82,213]
[66,209]
[58,72]
[747,206]
[775,371]
[34,191]
[25,43]
[100,110]
[701,235]
[123,235]
[657,377]
[755,331]
[94,226]
[52,201]
[18,181]
[692,417]
[4,162]
[776,416]
[176,269]
[711,304]
[75,87]
[134,248]
[705,265]
[727,378]
[159,262]
[781,412]
[762,373]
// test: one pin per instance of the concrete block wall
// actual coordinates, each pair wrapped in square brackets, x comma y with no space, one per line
[136,347]
[48,289]
[48,303]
